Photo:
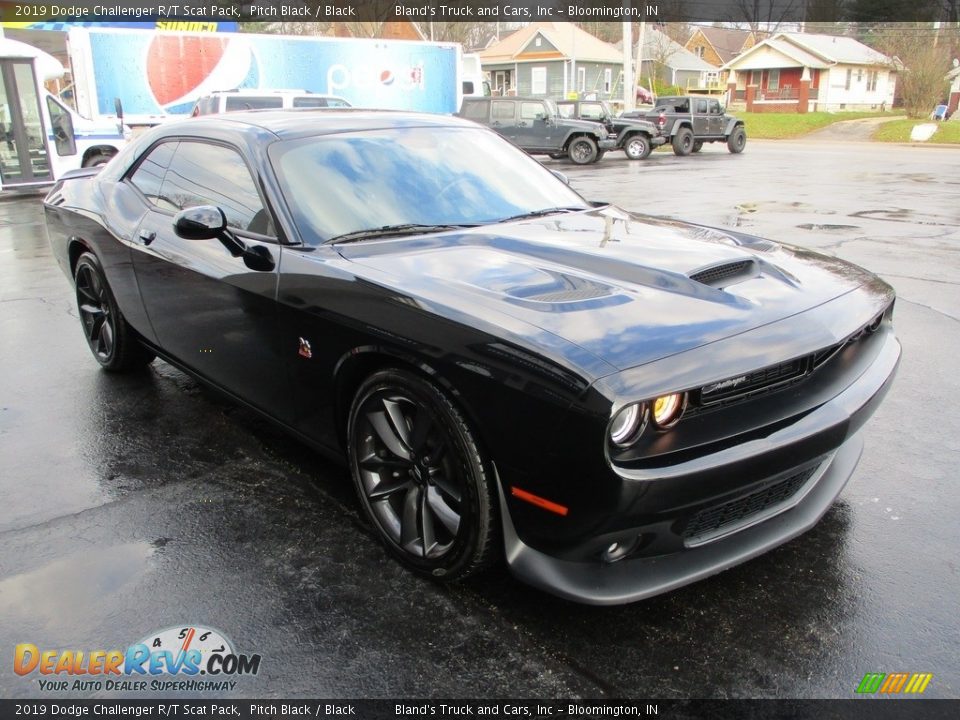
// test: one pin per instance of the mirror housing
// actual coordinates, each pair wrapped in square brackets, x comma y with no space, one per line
[204,222]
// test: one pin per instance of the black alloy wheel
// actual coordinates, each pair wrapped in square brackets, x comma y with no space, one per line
[582,150]
[112,342]
[420,476]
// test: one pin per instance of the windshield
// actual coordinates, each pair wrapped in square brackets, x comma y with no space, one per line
[346,183]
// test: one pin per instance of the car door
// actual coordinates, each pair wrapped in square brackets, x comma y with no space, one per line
[534,131]
[716,118]
[208,307]
[701,120]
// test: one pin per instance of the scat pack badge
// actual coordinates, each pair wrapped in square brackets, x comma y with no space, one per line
[181,658]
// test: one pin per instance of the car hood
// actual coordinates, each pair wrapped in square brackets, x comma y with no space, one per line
[629,289]
[582,124]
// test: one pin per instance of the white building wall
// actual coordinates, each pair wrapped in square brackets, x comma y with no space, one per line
[834,92]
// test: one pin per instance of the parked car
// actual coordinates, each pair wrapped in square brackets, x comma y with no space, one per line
[637,138]
[232,100]
[614,403]
[535,125]
[689,121]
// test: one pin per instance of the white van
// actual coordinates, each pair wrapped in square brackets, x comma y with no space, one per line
[254,99]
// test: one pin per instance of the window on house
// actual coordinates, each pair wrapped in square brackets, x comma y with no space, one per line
[538,81]
[538,41]
[773,80]
[849,78]
[859,74]
[581,79]
[872,77]
[699,51]
[755,76]
[607,81]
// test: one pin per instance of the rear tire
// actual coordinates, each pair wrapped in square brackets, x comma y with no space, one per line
[697,146]
[112,341]
[737,140]
[420,476]
[683,142]
[582,150]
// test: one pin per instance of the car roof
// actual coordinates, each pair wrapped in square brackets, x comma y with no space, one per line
[304,122]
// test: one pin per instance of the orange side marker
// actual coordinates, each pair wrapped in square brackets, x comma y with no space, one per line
[539,501]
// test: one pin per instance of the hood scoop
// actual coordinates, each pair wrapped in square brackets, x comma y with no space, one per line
[726,273]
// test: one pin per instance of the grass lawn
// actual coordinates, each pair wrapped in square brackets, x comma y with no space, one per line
[779,126]
[899,131]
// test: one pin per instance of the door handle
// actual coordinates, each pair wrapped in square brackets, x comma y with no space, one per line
[147,236]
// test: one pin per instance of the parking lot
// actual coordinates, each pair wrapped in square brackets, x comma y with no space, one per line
[137,503]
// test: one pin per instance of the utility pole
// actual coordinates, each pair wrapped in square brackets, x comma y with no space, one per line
[629,86]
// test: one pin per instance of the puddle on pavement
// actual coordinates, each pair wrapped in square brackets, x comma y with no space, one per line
[827,226]
[69,591]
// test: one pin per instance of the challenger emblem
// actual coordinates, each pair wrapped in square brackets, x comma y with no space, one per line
[305,350]
[723,385]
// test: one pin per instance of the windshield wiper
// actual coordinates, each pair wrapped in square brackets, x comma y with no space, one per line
[541,213]
[394,230]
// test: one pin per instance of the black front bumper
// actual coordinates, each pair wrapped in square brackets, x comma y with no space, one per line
[835,424]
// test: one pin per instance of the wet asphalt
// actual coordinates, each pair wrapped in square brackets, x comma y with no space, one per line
[136,503]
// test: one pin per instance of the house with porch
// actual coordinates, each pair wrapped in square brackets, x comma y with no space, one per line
[802,72]
[553,60]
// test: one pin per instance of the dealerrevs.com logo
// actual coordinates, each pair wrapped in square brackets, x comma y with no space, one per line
[187,658]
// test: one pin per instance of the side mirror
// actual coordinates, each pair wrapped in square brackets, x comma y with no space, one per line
[204,222]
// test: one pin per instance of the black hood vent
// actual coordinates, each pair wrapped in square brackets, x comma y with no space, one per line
[720,276]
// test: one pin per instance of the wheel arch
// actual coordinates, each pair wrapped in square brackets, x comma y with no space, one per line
[361,362]
[733,124]
[75,249]
[105,150]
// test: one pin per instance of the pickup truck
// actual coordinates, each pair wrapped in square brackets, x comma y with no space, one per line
[535,125]
[637,138]
[688,121]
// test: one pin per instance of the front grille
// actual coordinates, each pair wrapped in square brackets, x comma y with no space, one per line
[765,379]
[712,523]
[717,275]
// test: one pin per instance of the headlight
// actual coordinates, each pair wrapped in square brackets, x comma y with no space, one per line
[626,425]
[667,409]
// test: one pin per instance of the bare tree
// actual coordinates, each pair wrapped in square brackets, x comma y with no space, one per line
[920,63]
[765,15]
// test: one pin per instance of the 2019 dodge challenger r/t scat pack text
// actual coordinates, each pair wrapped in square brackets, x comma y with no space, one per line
[614,404]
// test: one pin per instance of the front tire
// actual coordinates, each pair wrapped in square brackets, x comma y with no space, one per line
[582,150]
[737,140]
[697,146]
[637,147]
[683,142]
[420,476]
[112,341]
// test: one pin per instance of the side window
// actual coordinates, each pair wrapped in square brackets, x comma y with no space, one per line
[337,102]
[714,107]
[305,101]
[701,107]
[530,110]
[203,174]
[591,111]
[148,177]
[253,102]
[475,111]
[503,110]
[566,110]
[683,106]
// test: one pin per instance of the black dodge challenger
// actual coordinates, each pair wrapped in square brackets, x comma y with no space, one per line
[616,404]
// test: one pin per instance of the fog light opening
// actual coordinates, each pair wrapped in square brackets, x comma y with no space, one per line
[619,550]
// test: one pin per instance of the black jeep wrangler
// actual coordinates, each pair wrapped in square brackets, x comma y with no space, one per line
[689,121]
[535,125]
[637,138]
